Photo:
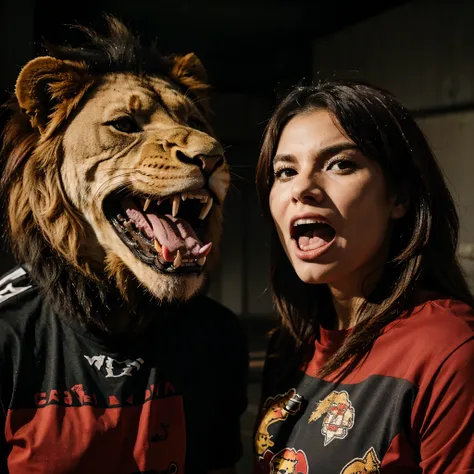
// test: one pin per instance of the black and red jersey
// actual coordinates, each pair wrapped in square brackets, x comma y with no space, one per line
[168,401]
[408,408]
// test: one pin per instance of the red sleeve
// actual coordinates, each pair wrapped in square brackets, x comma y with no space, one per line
[443,415]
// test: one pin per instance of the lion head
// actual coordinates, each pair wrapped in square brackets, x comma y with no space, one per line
[114,178]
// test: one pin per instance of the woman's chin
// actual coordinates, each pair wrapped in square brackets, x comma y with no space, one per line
[314,273]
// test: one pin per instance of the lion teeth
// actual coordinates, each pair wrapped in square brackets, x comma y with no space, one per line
[176,201]
[206,208]
[157,246]
[184,196]
[147,203]
[178,260]
[201,261]
[196,195]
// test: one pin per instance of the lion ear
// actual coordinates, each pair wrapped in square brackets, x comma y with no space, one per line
[189,67]
[46,85]
[189,72]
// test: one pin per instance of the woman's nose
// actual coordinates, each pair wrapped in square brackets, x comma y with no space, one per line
[307,189]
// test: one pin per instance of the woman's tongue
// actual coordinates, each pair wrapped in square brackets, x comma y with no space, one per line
[314,239]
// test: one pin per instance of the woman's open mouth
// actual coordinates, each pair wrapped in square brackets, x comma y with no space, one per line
[166,234]
[312,237]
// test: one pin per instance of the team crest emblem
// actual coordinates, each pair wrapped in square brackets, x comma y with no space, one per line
[289,461]
[369,464]
[339,416]
[275,409]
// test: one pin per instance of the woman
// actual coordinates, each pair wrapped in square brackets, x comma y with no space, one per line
[372,367]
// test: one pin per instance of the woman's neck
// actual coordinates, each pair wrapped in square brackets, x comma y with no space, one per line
[348,295]
[345,309]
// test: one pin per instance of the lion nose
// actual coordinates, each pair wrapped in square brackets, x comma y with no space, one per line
[210,163]
[207,163]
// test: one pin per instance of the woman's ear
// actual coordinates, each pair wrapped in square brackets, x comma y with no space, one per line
[399,206]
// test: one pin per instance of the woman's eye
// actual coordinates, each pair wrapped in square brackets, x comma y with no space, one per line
[342,166]
[125,125]
[283,173]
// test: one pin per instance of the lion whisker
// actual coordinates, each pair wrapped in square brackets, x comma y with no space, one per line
[111,183]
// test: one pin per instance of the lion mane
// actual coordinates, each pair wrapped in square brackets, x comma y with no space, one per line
[55,227]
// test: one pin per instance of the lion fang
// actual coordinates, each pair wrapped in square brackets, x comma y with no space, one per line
[178,260]
[176,202]
[205,210]
[157,246]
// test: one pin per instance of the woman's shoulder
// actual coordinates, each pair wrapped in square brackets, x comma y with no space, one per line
[427,337]
[430,332]
[442,317]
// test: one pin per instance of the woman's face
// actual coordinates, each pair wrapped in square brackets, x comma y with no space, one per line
[330,203]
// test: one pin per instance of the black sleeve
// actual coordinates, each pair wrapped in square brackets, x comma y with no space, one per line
[5,396]
[6,372]
[16,293]
[4,448]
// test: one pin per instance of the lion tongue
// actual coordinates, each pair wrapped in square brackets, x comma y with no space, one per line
[173,233]
[176,234]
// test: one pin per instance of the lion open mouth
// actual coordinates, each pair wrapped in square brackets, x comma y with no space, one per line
[157,235]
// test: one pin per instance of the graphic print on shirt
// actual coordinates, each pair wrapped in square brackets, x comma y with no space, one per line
[368,464]
[147,427]
[339,416]
[115,368]
[12,285]
[275,409]
[289,461]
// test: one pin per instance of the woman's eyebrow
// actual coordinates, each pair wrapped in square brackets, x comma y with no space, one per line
[323,152]
[283,158]
[335,149]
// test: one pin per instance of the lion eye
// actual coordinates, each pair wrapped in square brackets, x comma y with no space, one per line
[125,125]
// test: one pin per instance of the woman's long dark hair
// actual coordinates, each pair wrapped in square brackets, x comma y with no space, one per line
[423,248]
